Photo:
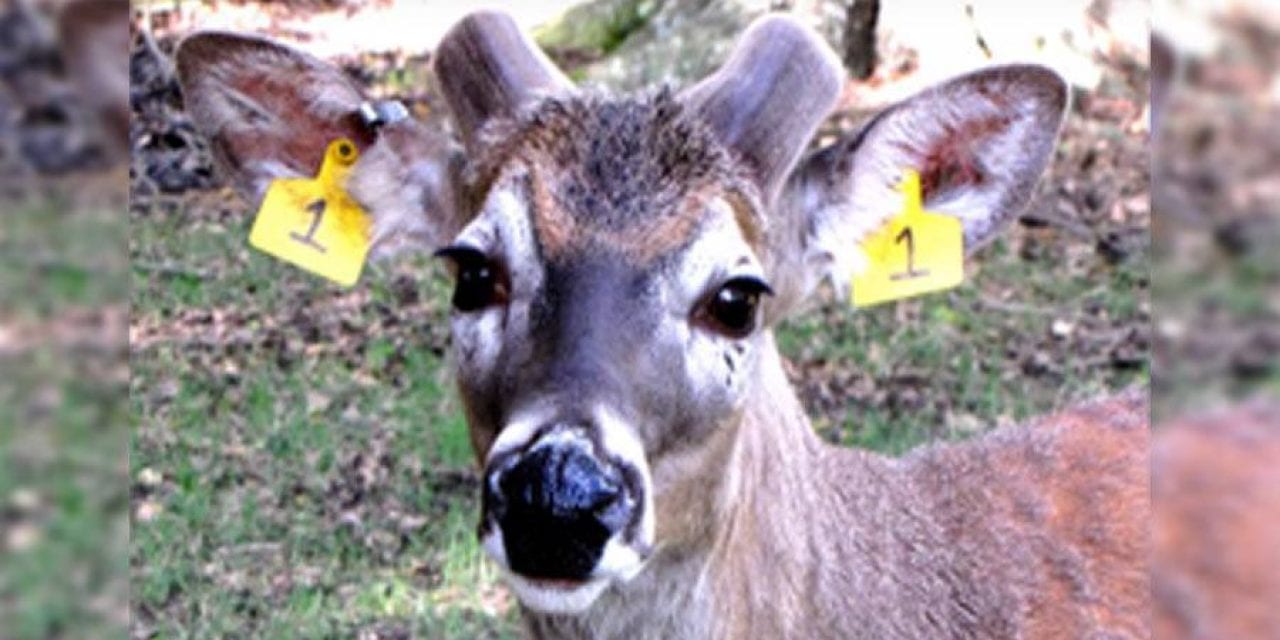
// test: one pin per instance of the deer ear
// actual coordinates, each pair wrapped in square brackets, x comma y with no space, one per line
[268,111]
[979,142]
[770,96]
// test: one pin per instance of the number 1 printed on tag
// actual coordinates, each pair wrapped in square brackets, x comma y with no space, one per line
[915,252]
[312,222]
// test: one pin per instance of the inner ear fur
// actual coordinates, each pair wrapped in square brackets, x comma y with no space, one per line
[980,143]
[268,111]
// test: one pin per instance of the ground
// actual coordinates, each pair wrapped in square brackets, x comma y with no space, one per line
[63,458]
[299,460]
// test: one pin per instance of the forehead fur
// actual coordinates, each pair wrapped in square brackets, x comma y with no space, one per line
[630,176]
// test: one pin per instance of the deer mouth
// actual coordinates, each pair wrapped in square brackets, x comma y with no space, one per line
[555,584]
[566,511]
[556,596]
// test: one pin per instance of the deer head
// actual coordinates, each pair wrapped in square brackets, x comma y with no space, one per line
[620,260]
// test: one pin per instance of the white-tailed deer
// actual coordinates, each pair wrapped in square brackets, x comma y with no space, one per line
[647,470]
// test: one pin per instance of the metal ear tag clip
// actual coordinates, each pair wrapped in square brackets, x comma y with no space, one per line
[383,112]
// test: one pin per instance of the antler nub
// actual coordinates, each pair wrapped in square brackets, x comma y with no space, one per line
[487,66]
[770,96]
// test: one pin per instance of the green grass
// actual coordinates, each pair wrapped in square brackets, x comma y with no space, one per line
[599,28]
[1215,299]
[955,363]
[63,423]
[310,472]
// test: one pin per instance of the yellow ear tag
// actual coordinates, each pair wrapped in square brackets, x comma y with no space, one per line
[313,223]
[916,252]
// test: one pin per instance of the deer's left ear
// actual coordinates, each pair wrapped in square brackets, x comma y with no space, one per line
[979,142]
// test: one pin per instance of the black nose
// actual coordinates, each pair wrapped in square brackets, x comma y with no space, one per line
[558,507]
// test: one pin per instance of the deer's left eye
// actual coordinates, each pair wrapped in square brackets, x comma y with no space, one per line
[733,309]
[478,281]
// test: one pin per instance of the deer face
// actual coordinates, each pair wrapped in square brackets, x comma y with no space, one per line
[606,313]
[618,260]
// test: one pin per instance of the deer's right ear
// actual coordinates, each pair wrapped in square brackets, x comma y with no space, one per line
[268,111]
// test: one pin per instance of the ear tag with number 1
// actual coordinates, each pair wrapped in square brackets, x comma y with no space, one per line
[312,222]
[915,252]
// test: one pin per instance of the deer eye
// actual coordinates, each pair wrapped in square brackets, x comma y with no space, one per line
[478,281]
[731,310]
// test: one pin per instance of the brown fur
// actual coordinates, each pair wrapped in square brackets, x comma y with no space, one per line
[631,175]
[1216,530]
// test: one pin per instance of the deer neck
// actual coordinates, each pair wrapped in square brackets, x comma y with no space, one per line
[779,567]
[764,540]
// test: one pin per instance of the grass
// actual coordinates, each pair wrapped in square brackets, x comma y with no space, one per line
[599,28]
[1215,302]
[301,465]
[948,365]
[63,422]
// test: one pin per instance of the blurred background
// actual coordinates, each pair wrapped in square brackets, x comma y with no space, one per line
[1216,198]
[299,466]
[1216,283]
[64,474]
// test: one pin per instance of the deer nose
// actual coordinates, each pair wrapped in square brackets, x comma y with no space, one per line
[557,507]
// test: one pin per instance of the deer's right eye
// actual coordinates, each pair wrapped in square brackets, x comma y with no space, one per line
[478,281]
[731,309]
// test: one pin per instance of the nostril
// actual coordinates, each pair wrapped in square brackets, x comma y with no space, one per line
[606,497]
[584,485]
[561,482]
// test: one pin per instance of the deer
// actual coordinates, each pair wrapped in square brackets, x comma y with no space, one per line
[619,261]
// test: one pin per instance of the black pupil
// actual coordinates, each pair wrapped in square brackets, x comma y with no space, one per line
[735,308]
[475,287]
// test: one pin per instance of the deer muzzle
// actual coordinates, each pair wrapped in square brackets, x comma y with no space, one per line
[558,505]
[564,514]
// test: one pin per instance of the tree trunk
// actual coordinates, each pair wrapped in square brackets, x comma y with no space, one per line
[860,37]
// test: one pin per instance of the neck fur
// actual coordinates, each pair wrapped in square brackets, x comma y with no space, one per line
[747,569]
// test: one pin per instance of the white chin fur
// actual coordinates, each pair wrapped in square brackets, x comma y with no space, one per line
[554,599]
[618,563]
